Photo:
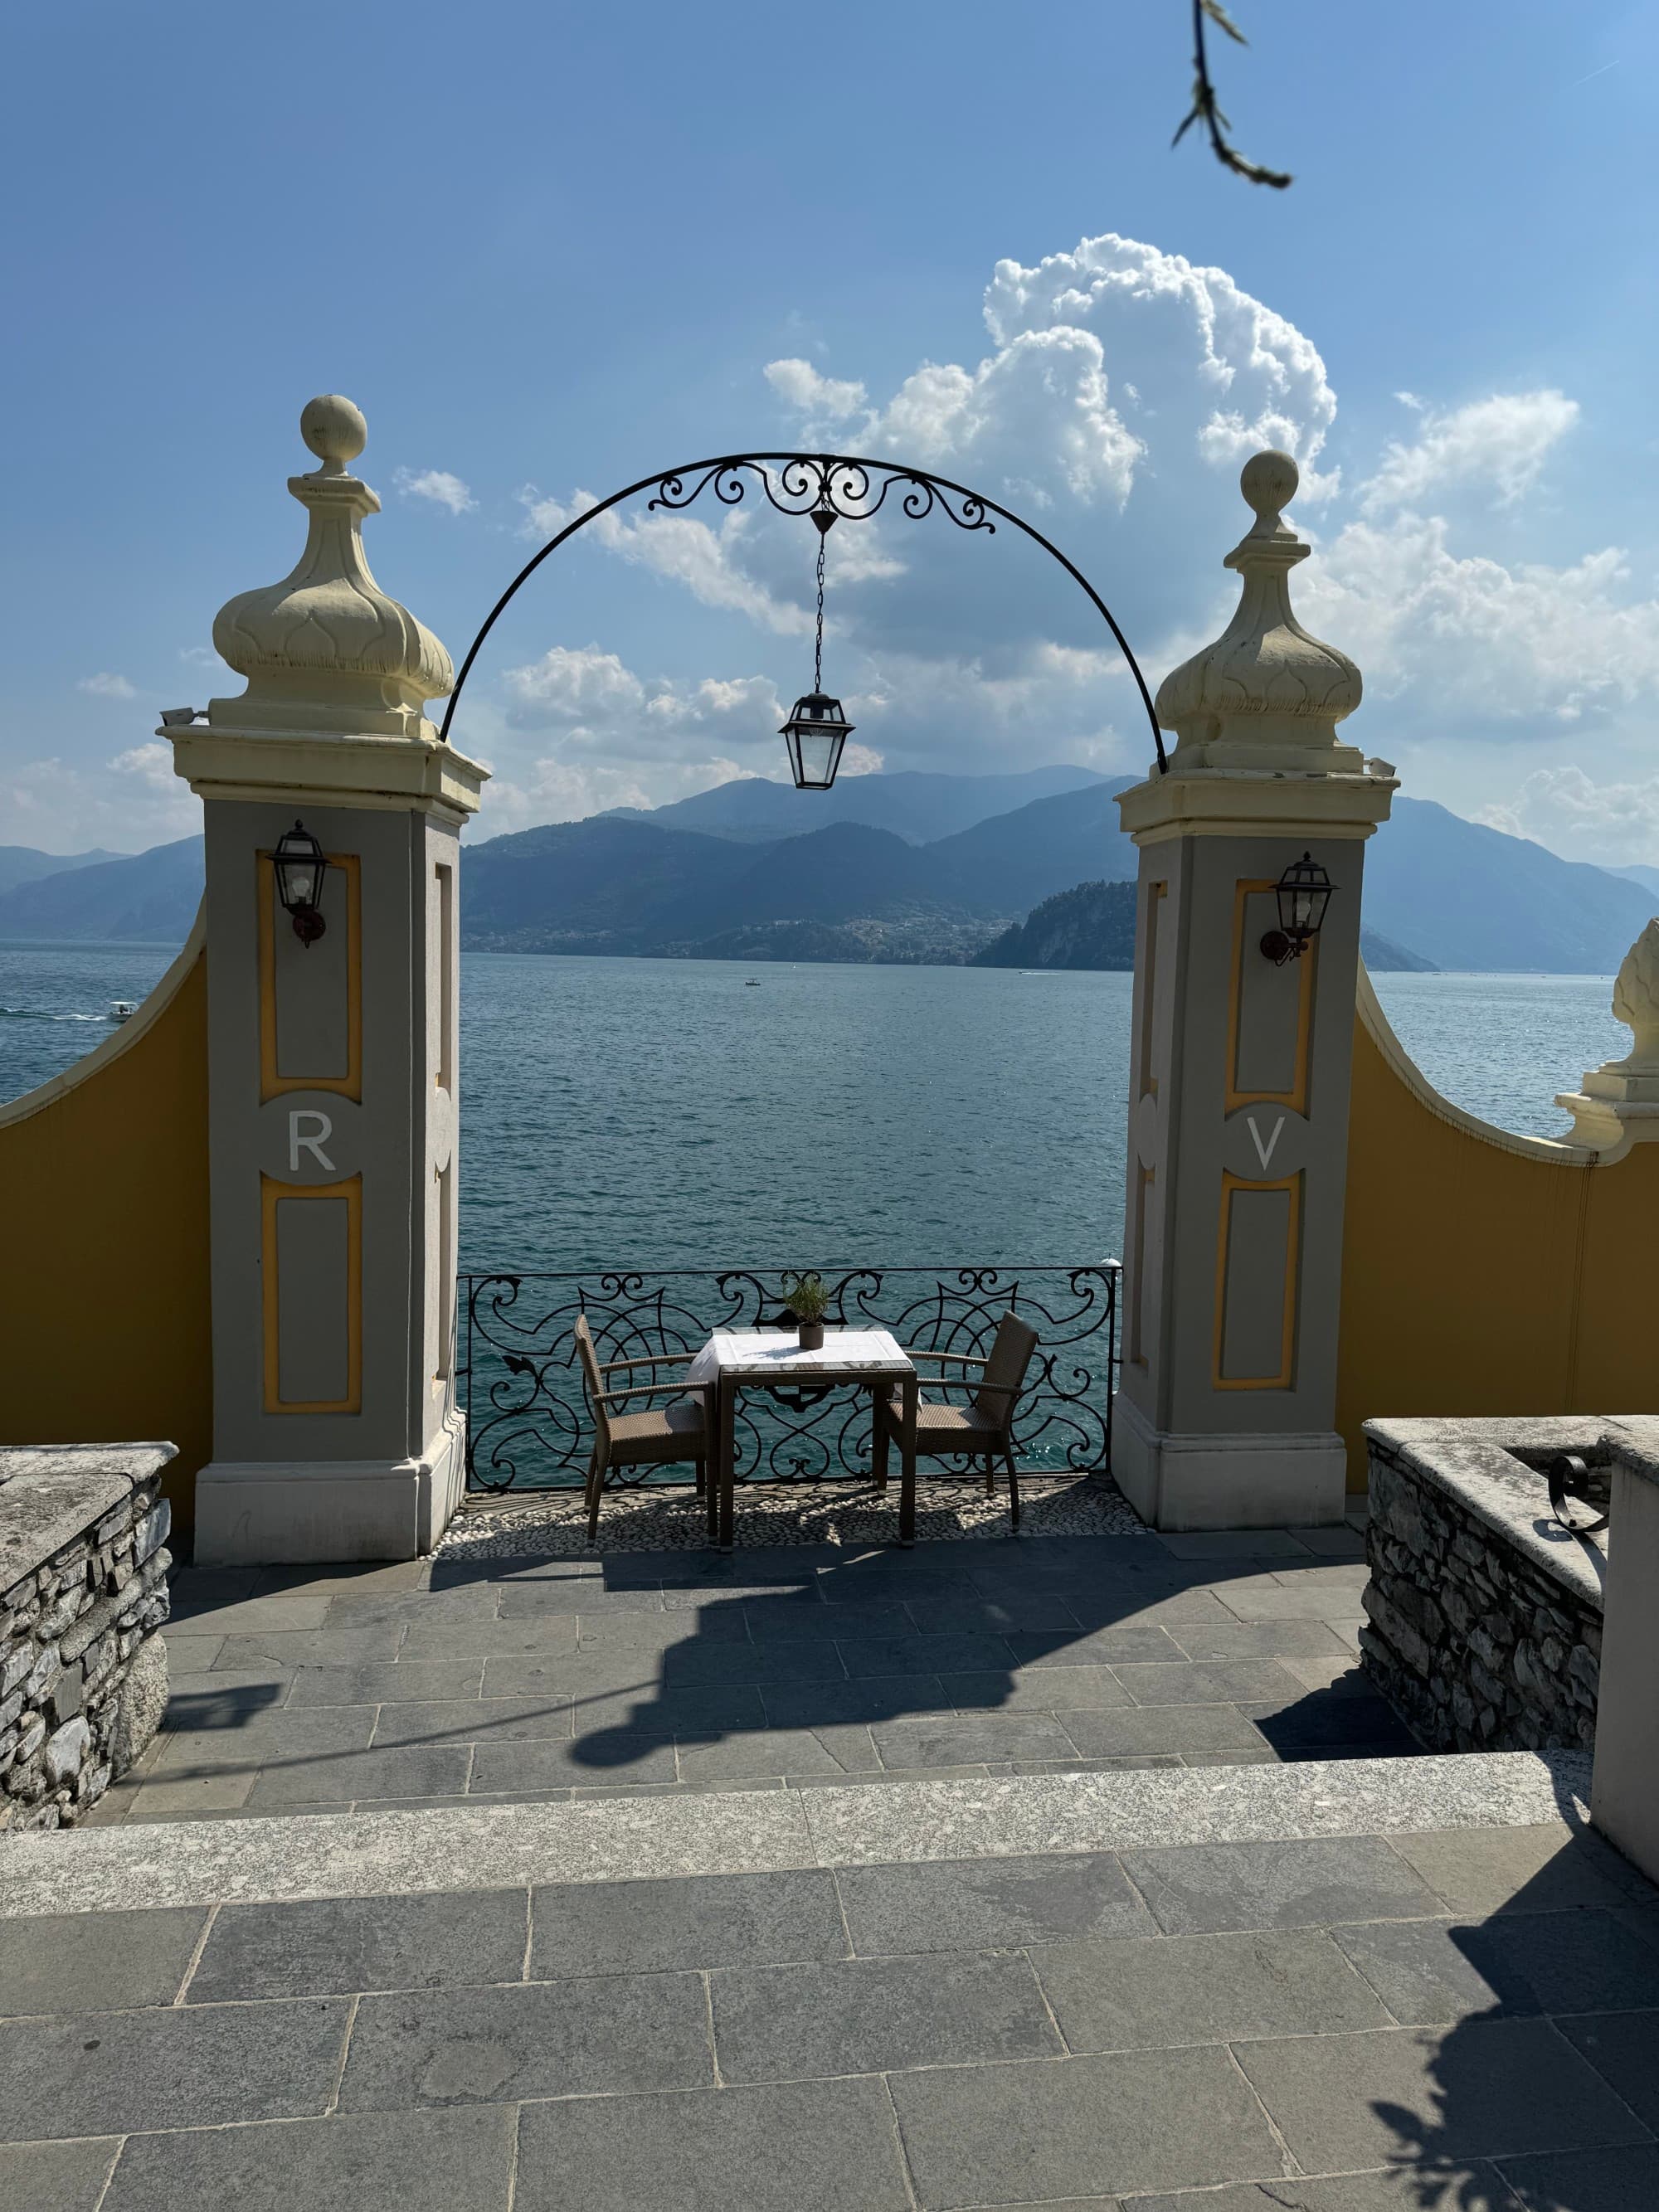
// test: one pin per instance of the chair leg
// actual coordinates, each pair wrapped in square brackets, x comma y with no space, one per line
[1013,1489]
[595,1489]
[702,1477]
[907,1493]
[878,1447]
[990,1475]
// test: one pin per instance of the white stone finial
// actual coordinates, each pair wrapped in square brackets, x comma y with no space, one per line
[1618,1104]
[326,650]
[335,431]
[1267,695]
[1636,1002]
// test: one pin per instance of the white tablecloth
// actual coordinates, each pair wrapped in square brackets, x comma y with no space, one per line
[758,1354]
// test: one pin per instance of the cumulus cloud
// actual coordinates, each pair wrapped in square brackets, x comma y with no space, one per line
[1566,809]
[708,562]
[436,485]
[823,399]
[107,686]
[1501,444]
[123,804]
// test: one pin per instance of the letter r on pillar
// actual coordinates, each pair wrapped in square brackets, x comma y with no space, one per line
[301,1139]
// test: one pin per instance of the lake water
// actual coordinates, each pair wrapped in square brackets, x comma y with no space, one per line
[662,1112]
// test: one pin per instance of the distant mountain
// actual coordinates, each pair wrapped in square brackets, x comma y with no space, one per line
[594,886]
[918,807]
[1465,896]
[22,864]
[1383,957]
[1014,861]
[1092,925]
[148,898]
[1439,889]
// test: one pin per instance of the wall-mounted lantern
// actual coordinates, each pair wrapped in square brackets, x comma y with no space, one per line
[1303,892]
[300,865]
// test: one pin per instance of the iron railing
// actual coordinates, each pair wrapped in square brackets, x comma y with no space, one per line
[528,1427]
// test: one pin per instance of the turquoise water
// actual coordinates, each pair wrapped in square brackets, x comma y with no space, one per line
[659,1113]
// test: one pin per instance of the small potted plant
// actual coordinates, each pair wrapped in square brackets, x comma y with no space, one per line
[805,1296]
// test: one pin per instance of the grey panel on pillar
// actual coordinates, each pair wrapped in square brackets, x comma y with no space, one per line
[1260,1231]
[313,1346]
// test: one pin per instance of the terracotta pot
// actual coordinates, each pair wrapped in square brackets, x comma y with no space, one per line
[811,1335]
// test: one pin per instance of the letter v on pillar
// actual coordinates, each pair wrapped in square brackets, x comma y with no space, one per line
[337,1434]
[1238,1107]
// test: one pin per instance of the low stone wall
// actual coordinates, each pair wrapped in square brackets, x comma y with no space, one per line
[1484,1615]
[83,1673]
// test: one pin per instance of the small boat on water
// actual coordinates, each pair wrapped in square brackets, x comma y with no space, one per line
[751,983]
[121,1009]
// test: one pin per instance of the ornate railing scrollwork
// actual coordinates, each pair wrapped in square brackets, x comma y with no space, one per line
[528,1424]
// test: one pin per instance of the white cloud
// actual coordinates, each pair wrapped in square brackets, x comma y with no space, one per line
[107,686]
[825,398]
[1566,809]
[124,805]
[436,485]
[1440,633]
[200,656]
[708,562]
[1501,443]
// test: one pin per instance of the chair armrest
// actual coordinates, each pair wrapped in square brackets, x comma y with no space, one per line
[650,1391]
[961,1358]
[650,1359]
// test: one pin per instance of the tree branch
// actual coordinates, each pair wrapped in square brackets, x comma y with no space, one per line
[1205,109]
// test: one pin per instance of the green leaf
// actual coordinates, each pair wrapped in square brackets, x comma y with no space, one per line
[1218,14]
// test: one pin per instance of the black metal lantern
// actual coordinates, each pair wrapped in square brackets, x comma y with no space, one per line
[300,864]
[1303,892]
[815,733]
[817,728]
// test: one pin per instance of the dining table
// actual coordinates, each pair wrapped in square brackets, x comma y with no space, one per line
[737,1359]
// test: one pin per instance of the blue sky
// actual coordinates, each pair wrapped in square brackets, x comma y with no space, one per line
[548,248]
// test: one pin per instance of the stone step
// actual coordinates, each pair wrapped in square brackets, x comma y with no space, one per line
[410,1852]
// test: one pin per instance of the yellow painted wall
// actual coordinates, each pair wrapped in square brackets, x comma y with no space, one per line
[1485,1272]
[104,1323]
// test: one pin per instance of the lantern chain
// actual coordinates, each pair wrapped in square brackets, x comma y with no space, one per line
[817,655]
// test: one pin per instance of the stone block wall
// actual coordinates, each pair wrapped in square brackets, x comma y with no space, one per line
[83,1592]
[1483,1615]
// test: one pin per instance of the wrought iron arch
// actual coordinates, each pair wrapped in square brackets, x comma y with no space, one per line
[852,489]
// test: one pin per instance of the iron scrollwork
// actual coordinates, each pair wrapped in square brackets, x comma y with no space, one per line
[528,1427]
[851,491]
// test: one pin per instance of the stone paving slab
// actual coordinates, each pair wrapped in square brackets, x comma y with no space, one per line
[281,1672]
[928,2035]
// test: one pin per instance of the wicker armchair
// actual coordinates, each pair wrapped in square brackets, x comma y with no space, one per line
[982,1427]
[655,1436]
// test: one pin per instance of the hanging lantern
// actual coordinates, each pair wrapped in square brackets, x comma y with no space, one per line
[817,728]
[300,864]
[1302,893]
[815,733]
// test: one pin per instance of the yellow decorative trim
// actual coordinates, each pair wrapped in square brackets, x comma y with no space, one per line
[137,1024]
[351,1192]
[1284,1380]
[1137,1344]
[1297,1096]
[1156,894]
[350,1084]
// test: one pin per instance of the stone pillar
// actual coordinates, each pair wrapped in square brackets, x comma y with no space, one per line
[1618,1105]
[1238,1108]
[332,1065]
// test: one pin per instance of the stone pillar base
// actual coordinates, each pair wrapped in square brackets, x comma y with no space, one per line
[264,1513]
[1231,1481]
